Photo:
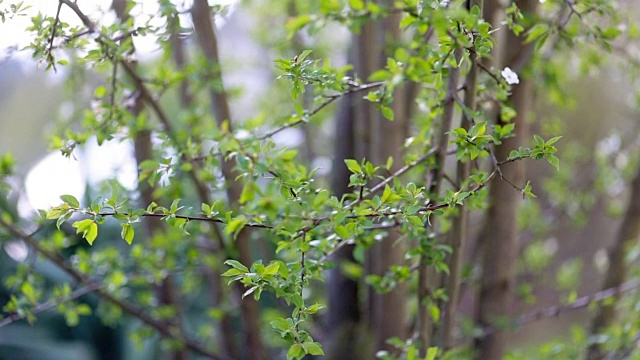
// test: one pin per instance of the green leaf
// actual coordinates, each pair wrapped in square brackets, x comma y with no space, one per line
[91,233]
[312,348]
[248,193]
[272,269]
[304,55]
[536,31]
[538,139]
[127,233]
[386,194]
[387,112]
[100,92]
[280,324]
[71,200]
[554,161]
[296,351]
[431,353]
[233,272]
[29,291]
[353,166]
[235,225]
[343,232]
[293,25]
[478,129]
[236,265]
[356,4]
[174,206]
[58,211]
[553,140]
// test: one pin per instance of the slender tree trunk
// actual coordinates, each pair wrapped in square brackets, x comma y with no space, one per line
[343,315]
[376,139]
[226,333]
[143,149]
[500,233]
[618,268]
[390,309]
[208,43]
[460,223]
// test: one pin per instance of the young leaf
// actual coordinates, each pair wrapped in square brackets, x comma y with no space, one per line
[387,112]
[71,200]
[353,166]
[91,233]
[312,348]
[127,233]
[236,265]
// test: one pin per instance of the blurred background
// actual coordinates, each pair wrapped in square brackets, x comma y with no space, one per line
[592,101]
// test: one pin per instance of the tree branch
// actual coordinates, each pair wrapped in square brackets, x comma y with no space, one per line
[53,303]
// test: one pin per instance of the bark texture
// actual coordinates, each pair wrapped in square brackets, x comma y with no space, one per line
[618,268]
[208,43]
[143,149]
[500,234]
[460,223]
[343,315]
[226,338]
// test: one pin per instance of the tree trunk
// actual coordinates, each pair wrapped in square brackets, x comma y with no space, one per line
[618,268]
[343,315]
[226,333]
[208,43]
[460,223]
[387,140]
[500,234]
[143,149]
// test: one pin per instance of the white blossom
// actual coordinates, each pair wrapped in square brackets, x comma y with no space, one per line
[510,76]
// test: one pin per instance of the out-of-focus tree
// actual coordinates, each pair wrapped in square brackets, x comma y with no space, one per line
[229,232]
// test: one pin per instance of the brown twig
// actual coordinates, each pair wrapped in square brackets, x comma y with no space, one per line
[53,35]
[317,109]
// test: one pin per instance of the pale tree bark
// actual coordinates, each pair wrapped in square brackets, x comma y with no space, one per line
[459,228]
[384,138]
[499,239]
[208,43]
[377,138]
[344,312]
[143,149]
[214,279]
[618,268]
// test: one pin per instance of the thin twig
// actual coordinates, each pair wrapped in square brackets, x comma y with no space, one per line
[308,114]
[556,310]
[53,35]
[52,303]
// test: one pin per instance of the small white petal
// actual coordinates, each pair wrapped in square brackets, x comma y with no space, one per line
[510,76]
